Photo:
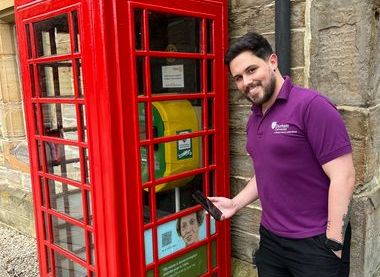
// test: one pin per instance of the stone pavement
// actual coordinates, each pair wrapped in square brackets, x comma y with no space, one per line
[18,254]
[3,273]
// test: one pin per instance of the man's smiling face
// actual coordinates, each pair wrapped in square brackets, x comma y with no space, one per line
[254,77]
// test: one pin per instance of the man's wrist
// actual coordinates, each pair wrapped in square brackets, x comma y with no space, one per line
[333,244]
[235,205]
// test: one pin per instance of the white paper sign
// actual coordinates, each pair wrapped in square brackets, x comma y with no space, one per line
[172,76]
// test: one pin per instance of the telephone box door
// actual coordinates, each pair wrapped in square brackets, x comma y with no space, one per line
[180,102]
[51,42]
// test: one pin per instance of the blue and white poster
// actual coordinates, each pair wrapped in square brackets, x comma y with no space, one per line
[177,234]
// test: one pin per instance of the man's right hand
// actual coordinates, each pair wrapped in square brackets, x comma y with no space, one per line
[225,205]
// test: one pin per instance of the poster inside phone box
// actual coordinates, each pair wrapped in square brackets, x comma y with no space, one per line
[169,241]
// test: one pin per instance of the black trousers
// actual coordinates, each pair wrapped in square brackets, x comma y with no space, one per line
[309,257]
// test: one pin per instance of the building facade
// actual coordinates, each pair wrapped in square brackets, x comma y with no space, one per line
[335,48]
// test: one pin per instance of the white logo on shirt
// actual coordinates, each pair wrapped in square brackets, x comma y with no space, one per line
[280,128]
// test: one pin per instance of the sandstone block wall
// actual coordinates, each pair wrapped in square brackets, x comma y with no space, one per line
[344,64]
[335,49]
[16,206]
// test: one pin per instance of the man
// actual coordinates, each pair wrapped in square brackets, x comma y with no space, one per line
[304,173]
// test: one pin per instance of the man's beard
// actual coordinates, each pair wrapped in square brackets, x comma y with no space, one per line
[268,91]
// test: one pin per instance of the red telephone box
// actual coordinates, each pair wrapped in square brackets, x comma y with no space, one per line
[127,115]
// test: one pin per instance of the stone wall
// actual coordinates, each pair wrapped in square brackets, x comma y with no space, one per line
[335,49]
[344,55]
[16,208]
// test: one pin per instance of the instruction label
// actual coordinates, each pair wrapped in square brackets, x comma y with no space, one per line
[184,146]
[173,76]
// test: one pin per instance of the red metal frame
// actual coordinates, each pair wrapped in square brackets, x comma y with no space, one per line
[41,177]
[108,57]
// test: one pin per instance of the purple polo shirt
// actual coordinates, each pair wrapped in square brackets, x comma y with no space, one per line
[289,144]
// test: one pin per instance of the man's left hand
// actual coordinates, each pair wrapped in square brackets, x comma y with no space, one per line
[338,253]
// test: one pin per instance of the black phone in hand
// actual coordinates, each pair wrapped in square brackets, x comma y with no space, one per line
[207,205]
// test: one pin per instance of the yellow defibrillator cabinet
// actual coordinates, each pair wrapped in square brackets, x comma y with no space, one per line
[173,118]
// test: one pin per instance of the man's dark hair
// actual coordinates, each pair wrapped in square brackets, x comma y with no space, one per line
[253,42]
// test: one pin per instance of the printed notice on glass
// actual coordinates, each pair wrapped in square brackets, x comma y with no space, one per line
[172,76]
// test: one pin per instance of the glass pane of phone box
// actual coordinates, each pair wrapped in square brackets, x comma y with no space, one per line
[182,232]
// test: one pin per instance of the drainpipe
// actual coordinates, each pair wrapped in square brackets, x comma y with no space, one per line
[282,35]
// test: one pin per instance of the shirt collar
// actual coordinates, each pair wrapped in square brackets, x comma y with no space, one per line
[285,89]
[283,94]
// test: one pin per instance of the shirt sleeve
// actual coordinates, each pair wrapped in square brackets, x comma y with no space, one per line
[325,130]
